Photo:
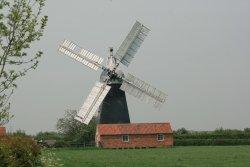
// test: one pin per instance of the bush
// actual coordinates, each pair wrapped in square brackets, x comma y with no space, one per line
[4,155]
[62,143]
[50,159]
[21,151]
[219,136]
[41,136]
[209,142]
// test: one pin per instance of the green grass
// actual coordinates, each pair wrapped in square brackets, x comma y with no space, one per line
[225,156]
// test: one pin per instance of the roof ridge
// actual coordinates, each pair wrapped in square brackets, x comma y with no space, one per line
[138,123]
[134,128]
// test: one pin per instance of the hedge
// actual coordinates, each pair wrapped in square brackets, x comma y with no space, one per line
[212,142]
[213,135]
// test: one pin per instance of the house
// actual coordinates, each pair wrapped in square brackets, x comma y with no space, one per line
[134,135]
[2,131]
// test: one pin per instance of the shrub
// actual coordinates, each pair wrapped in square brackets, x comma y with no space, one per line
[219,136]
[4,155]
[50,159]
[21,151]
[208,142]
[41,136]
[62,143]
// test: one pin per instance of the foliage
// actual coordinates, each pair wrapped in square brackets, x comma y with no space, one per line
[181,131]
[19,133]
[76,131]
[211,142]
[203,156]
[4,155]
[21,24]
[216,134]
[21,151]
[62,143]
[41,136]
[50,159]
[247,130]
[219,136]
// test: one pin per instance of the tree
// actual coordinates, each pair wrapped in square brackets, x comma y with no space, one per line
[74,130]
[182,131]
[247,130]
[21,24]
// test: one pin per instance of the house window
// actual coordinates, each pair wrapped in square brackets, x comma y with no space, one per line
[125,138]
[160,137]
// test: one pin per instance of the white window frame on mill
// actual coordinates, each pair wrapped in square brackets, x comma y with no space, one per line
[160,137]
[125,138]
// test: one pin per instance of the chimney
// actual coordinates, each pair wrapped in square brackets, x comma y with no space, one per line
[2,131]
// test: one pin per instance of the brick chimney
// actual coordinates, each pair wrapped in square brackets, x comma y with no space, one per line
[2,131]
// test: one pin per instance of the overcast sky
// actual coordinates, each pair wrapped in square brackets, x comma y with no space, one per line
[197,51]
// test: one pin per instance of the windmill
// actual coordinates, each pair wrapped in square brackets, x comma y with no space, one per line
[107,97]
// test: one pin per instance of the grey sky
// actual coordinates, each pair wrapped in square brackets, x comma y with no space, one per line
[197,51]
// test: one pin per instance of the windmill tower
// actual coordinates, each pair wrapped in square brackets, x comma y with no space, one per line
[114,107]
[107,97]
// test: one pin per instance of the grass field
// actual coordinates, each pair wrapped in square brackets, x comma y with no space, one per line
[226,156]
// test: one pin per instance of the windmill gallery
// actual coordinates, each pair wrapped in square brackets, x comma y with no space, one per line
[107,97]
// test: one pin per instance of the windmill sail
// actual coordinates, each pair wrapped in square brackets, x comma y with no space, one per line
[131,44]
[83,56]
[93,102]
[143,90]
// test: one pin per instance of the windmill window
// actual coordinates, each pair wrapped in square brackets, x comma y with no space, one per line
[125,138]
[160,137]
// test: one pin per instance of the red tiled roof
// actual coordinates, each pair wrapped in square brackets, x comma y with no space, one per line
[133,128]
